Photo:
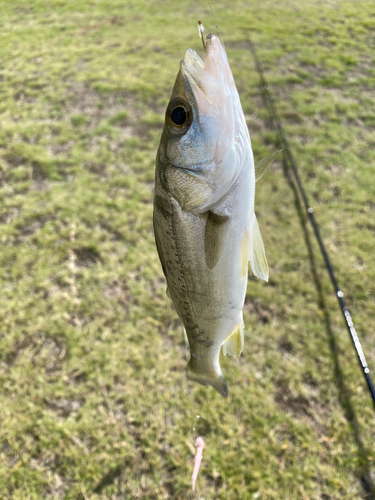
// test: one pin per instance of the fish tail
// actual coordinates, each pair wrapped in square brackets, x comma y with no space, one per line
[198,371]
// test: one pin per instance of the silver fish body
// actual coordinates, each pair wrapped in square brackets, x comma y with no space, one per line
[204,221]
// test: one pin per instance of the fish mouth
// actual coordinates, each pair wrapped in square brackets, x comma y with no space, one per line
[193,69]
[210,74]
[211,82]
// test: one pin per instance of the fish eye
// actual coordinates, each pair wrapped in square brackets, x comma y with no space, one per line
[179,116]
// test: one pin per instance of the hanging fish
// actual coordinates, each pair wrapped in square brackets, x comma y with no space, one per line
[206,230]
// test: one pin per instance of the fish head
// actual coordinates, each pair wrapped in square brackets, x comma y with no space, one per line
[205,141]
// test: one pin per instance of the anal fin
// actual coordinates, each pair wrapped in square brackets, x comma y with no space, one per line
[233,345]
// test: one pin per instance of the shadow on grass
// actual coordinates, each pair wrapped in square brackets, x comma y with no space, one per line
[343,392]
[110,477]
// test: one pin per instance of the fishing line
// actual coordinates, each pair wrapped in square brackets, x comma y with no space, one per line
[216,25]
[310,212]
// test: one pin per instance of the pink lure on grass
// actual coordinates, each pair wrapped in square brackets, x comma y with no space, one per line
[199,443]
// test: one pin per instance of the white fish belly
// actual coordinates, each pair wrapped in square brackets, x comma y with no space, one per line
[208,301]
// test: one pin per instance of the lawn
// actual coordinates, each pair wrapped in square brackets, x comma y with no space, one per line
[94,399]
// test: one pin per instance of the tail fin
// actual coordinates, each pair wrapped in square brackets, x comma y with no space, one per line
[198,371]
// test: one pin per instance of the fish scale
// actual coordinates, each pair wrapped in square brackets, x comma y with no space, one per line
[204,221]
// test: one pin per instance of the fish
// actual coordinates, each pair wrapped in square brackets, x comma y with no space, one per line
[205,226]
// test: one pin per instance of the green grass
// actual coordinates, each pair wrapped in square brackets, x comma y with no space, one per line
[94,399]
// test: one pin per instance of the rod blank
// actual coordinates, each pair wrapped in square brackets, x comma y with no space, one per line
[310,212]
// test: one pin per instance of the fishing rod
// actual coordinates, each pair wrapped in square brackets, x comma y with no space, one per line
[310,212]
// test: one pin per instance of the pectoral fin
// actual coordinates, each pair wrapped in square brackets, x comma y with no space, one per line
[257,255]
[262,165]
[214,238]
